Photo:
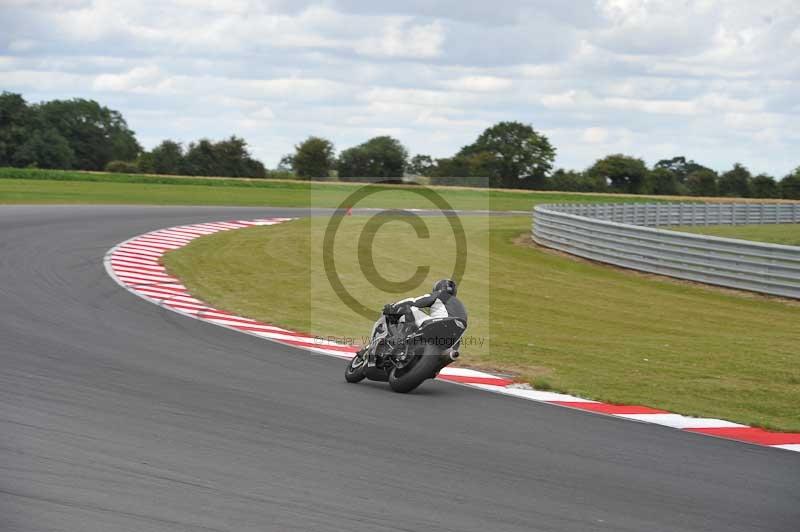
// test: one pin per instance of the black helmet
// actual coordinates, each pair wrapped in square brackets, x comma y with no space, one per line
[445,285]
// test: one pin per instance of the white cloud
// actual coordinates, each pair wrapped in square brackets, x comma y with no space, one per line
[46,4]
[417,97]
[479,83]
[668,107]
[723,102]
[714,80]
[263,114]
[752,121]
[655,26]
[35,80]
[700,104]
[142,79]
[291,88]
[22,45]
[595,135]
[401,39]
[563,100]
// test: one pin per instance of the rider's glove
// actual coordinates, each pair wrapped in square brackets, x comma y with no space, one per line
[389,309]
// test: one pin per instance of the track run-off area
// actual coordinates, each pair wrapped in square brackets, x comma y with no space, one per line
[116,414]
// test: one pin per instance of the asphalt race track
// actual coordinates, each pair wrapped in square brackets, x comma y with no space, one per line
[116,415]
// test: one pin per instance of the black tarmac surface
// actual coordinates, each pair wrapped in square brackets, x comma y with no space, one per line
[116,415]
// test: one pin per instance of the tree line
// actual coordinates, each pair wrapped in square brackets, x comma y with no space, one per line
[82,134]
[514,155]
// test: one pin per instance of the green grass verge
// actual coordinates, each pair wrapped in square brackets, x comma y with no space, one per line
[25,186]
[787,234]
[562,324]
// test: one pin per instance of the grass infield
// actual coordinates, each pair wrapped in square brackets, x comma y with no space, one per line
[27,186]
[559,323]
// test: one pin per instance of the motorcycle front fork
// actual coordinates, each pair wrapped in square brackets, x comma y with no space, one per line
[401,348]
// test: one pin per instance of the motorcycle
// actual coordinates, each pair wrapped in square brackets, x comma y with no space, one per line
[406,358]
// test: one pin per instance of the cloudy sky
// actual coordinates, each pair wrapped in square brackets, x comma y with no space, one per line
[717,81]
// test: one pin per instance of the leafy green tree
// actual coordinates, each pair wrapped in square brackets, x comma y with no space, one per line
[231,157]
[123,141]
[145,162]
[520,156]
[464,170]
[44,148]
[451,170]
[27,140]
[566,180]
[764,186]
[82,134]
[96,134]
[200,159]
[735,182]
[353,163]
[573,181]
[790,185]
[285,164]
[421,165]
[663,182]
[167,158]
[227,158]
[679,167]
[314,157]
[380,157]
[626,174]
[15,126]
[255,168]
[702,183]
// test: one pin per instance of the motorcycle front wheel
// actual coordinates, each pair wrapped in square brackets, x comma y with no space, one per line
[356,369]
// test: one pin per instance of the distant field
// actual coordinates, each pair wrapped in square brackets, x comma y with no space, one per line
[55,186]
[562,324]
[787,234]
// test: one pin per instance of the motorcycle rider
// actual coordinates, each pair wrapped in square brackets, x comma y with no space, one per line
[442,302]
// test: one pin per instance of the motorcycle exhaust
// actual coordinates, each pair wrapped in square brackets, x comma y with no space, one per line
[447,357]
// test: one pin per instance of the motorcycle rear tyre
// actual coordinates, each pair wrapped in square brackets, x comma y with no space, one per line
[405,380]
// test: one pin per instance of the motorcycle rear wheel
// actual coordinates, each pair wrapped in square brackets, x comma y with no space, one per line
[404,380]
